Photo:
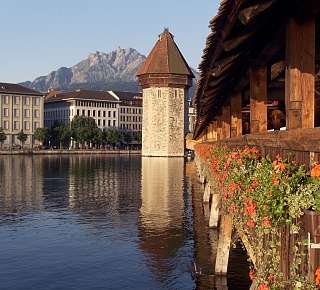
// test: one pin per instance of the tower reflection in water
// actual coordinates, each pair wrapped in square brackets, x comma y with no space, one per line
[165,228]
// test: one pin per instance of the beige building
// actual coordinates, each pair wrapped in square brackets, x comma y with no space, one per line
[20,109]
[130,111]
[165,78]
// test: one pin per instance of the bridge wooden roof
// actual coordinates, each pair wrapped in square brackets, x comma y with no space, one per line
[244,33]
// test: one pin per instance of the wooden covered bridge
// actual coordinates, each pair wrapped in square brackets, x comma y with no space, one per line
[260,86]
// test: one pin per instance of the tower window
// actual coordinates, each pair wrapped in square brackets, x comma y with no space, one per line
[159,94]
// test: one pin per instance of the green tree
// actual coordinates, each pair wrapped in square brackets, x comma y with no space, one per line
[111,136]
[3,137]
[139,137]
[64,135]
[59,135]
[82,129]
[41,134]
[97,137]
[126,137]
[22,137]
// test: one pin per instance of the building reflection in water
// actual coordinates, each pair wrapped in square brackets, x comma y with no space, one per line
[21,185]
[104,186]
[164,218]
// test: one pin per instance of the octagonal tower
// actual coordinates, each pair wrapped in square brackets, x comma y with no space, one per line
[165,78]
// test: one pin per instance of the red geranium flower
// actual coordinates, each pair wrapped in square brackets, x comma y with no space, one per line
[266,222]
[251,275]
[263,286]
[250,224]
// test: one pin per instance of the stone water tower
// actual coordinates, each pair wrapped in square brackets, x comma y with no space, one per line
[165,78]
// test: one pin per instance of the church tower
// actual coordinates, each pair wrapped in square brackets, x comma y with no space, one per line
[165,78]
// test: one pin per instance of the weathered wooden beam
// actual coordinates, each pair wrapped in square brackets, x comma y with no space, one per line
[224,243]
[233,43]
[226,121]
[236,114]
[258,99]
[223,65]
[249,14]
[277,69]
[300,74]
[214,210]
[207,192]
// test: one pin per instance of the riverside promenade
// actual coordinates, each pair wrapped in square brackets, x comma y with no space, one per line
[68,152]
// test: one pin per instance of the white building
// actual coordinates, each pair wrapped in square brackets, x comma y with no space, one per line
[130,111]
[192,118]
[64,106]
[20,109]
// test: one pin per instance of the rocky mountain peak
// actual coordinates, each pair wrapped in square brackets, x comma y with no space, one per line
[115,70]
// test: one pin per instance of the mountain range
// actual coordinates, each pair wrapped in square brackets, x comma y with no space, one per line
[99,71]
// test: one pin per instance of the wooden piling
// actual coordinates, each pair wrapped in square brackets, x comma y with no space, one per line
[224,243]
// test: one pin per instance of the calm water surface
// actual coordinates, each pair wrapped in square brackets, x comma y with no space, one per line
[94,222]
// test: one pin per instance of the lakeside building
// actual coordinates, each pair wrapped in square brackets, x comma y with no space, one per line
[192,116]
[115,109]
[130,111]
[21,108]
[62,107]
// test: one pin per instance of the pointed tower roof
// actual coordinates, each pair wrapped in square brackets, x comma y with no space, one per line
[165,58]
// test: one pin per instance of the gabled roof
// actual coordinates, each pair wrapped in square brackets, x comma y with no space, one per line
[9,88]
[165,58]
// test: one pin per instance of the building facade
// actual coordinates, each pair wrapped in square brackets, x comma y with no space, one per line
[21,109]
[165,78]
[62,107]
[130,112]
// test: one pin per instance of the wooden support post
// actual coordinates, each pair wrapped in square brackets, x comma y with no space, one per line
[224,243]
[258,99]
[206,195]
[226,120]
[236,115]
[221,283]
[214,211]
[213,130]
[300,74]
[219,128]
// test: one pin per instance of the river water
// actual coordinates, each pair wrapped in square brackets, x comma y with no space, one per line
[105,222]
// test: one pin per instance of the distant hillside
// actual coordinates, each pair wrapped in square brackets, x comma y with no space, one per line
[99,71]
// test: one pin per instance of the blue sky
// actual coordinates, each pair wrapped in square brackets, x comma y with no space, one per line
[38,36]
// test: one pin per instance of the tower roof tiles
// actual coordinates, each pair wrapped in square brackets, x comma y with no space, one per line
[165,58]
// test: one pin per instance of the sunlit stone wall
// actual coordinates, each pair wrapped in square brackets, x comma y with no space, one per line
[164,115]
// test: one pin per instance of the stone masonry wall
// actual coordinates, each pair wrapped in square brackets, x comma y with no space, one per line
[163,122]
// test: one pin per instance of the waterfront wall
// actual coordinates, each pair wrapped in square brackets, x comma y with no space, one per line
[68,152]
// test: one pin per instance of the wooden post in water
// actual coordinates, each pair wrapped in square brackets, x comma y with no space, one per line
[214,210]
[224,243]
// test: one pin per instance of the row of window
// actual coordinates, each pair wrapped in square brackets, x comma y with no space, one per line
[17,99]
[96,104]
[26,113]
[103,123]
[130,111]
[130,118]
[57,113]
[16,125]
[96,114]
[131,126]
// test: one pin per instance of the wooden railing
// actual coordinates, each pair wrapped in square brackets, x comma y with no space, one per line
[301,145]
